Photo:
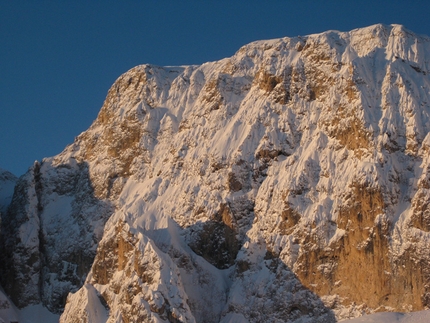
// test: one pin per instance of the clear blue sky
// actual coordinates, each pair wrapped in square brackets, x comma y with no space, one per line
[59,58]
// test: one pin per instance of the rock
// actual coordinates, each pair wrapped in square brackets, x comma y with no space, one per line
[288,183]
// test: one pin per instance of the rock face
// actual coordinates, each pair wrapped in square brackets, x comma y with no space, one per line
[49,234]
[7,185]
[288,183]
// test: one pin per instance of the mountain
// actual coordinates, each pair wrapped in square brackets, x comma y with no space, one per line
[288,183]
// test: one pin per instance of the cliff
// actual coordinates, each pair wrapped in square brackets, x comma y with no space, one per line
[288,183]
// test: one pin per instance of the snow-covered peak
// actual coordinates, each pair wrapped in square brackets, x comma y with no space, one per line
[287,182]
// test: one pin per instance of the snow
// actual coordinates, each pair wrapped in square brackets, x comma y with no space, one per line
[37,314]
[29,314]
[414,317]
[234,318]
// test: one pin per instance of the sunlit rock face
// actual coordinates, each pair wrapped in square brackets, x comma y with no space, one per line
[288,183]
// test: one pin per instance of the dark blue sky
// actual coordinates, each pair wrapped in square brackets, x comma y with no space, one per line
[59,58]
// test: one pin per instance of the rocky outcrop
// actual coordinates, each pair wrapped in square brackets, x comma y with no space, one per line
[286,183]
[50,234]
[7,185]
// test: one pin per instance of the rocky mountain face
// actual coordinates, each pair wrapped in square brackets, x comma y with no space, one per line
[50,234]
[288,183]
[7,185]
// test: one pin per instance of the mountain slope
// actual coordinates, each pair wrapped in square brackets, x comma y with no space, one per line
[287,183]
